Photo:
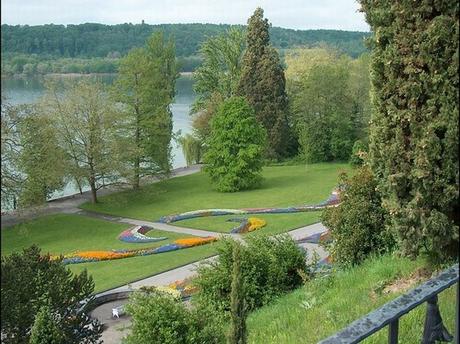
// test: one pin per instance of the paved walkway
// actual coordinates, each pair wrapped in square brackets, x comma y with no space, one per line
[189,270]
[70,204]
[116,329]
[157,225]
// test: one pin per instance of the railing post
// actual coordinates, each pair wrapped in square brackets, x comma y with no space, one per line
[434,328]
[393,329]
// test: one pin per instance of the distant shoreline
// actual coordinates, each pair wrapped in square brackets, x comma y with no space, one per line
[70,75]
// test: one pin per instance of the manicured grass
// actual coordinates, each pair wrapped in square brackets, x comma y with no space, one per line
[276,223]
[114,273]
[283,186]
[338,300]
[64,233]
[67,233]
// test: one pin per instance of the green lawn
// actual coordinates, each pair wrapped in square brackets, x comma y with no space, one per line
[283,186]
[276,223]
[67,233]
[341,299]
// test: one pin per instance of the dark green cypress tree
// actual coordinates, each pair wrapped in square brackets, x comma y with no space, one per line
[238,333]
[414,127]
[263,83]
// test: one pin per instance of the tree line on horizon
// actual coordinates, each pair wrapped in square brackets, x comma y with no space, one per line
[99,40]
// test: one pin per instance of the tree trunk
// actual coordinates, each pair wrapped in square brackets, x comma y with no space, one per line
[92,183]
[137,138]
[136,180]
[79,186]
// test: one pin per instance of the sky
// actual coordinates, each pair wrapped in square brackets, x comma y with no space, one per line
[293,14]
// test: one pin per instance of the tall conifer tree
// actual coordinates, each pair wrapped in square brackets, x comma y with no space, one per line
[414,127]
[263,83]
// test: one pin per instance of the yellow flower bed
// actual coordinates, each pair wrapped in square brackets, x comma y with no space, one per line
[255,223]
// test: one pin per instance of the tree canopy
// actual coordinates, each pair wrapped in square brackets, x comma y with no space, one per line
[262,83]
[234,157]
[99,40]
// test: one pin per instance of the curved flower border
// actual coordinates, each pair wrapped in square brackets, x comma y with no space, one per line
[136,234]
[247,224]
[96,256]
[332,201]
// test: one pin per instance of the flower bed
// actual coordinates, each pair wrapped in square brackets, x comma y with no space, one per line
[332,200]
[247,224]
[184,287]
[95,256]
[189,242]
[136,234]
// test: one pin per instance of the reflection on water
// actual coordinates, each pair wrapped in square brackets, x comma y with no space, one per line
[29,90]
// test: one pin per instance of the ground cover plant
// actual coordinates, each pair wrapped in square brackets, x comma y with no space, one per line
[282,186]
[326,305]
[59,234]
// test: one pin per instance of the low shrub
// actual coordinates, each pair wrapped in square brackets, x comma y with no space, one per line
[357,225]
[358,153]
[160,318]
[269,267]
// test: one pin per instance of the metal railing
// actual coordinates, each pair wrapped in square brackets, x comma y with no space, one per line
[389,314]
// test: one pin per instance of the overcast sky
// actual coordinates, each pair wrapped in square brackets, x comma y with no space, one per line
[294,14]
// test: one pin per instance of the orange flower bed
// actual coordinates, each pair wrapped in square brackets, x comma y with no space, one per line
[189,242]
[104,255]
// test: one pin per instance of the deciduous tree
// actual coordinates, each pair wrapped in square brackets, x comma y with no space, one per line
[234,156]
[87,124]
[145,86]
[41,160]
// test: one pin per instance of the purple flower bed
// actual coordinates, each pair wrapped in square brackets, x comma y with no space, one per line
[137,235]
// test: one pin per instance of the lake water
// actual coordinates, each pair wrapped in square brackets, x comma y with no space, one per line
[29,90]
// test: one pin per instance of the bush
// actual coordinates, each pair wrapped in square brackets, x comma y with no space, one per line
[358,153]
[25,277]
[234,157]
[45,329]
[357,225]
[163,319]
[191,148]
[269,267]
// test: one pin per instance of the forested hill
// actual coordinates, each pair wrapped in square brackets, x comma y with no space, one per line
[99,40]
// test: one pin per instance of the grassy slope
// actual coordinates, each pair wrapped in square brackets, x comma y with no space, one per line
[67,233]
[283,186]
[339,301]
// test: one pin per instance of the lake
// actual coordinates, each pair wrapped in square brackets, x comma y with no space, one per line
[29,90]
